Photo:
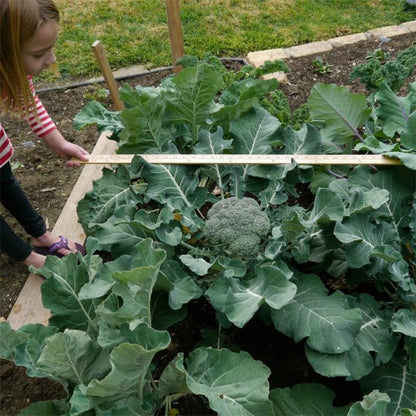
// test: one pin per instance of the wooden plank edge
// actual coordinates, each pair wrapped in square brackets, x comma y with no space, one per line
[28,307]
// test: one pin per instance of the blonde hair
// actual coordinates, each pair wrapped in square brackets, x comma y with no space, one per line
[19,20]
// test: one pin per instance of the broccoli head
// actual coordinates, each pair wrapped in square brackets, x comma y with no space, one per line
[238,225]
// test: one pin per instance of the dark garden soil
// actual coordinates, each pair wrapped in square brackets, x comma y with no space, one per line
[48,183]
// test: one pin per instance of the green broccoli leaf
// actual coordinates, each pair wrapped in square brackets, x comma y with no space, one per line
[408,159]
[130,362]
[109,193]
[135,303]
[396,380]
[9,340]
[240,97]
[329,323]
[254,133]
[305,399]
[144,128]
[214,143]
[240,300]
[74,356]
[173,185]
[328,206]
[365,240]
[404,321]
[120,237]
[306,140]
[182,288]
[396,181]
[27,353]
[375,343]
[193,98]
[373,404]
[408,138]
[95,113]
[232,382]
[197,265]
[47,408]
[341,112]
[394,111]
[60,292]
[363,201]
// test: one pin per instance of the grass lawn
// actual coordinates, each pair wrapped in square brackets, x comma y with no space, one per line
[136,32]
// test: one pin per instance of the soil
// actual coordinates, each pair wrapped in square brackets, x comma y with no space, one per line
[48,183]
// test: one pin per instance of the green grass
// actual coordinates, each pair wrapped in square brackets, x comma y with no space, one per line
[136,32]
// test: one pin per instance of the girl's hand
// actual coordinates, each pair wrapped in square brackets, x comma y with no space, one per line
[72,150]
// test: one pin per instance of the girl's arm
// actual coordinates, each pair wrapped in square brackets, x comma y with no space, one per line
[43,126]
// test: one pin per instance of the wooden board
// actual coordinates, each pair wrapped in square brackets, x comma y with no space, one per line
[28,307]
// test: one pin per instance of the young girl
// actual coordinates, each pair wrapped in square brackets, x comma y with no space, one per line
[28,32]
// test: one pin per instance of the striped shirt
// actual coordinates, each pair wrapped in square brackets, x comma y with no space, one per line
[38,120]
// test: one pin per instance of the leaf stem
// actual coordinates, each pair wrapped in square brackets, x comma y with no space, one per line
[186,245]
[390,294]
[336,175]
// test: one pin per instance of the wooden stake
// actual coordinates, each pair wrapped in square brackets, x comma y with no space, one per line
[107,74]
[175,32]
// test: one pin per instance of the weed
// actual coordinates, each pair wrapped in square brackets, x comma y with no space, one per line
[97,94]
[321,67]
[16,165]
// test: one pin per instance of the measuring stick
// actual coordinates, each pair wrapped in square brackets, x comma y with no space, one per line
[206,159]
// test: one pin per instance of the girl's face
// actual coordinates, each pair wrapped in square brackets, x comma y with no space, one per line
[38,53]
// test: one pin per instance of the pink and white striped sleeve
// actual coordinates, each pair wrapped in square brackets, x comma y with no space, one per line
[6,148]
[39,119]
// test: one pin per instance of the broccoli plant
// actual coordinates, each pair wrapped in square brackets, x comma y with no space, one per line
[238,225]
[336,273]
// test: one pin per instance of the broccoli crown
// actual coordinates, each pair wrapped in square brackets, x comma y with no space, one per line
[237,224]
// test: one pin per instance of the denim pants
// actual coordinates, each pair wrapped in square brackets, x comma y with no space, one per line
[16,202]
